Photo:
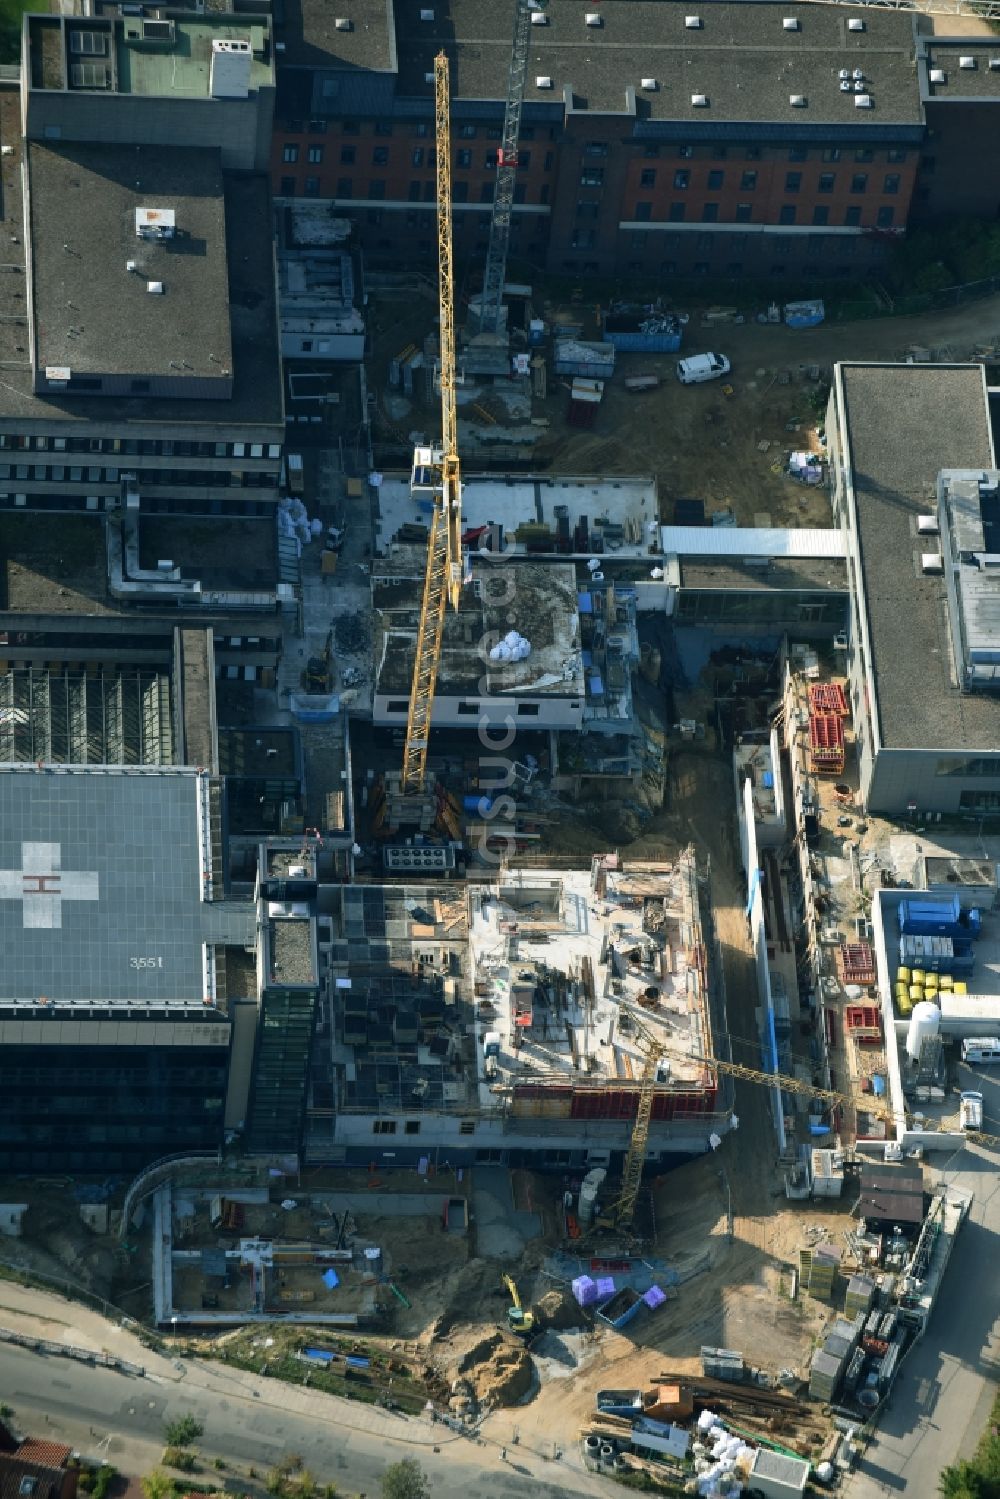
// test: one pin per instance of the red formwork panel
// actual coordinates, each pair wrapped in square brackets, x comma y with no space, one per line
[826,742]
[863,1020]
[828,697]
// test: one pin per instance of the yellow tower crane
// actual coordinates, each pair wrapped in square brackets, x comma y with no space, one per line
[622,1211]
[443,577]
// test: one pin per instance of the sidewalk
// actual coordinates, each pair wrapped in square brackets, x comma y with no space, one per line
[42,1314]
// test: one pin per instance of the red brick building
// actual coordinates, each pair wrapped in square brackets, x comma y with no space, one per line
[746,138]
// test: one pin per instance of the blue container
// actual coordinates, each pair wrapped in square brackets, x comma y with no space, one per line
[627,334]
[482,804]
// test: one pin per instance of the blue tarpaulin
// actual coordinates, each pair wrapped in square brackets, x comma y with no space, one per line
[330,1279]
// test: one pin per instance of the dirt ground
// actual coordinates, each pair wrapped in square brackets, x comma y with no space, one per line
[730,452]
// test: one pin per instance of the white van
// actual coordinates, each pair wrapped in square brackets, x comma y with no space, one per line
[981,1049]
[970,1110]
[702,367]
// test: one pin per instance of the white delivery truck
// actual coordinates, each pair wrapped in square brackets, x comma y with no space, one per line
[970,1111]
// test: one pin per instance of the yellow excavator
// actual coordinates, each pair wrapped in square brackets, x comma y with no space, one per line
[520,1321]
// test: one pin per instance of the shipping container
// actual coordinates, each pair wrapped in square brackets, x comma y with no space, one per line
[592,361]
[648,335]
[938,916]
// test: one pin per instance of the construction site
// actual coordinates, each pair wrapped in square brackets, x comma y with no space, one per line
[580,1046]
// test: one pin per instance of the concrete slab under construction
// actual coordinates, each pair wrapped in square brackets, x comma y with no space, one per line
[619,516]
[571,981]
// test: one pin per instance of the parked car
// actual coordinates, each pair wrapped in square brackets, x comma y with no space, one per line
[701,367]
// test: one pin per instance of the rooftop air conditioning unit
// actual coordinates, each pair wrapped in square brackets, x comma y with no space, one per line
[426,15]
[855,23]
[155,288]
[927,525]
[693,23]
[858,73]
[845,86]
[840,641]
[859,88]
[649,83]
[994,64]
[342,23]
[931,562]
[966,62]
[543,81]
[938,75]
[790,24]
[844,73]
[797,101]
[539,18]
[593,18]
[700,101]
[862,101]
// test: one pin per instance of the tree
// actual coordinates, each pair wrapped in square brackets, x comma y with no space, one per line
[405,1480]
[158,1485]
[183,1430]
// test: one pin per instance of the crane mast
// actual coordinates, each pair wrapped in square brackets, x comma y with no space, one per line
[443,575]
[503,200]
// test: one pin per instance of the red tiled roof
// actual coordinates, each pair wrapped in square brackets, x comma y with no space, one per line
[48,1454]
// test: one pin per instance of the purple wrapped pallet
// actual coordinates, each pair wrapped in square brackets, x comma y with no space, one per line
[584,1290]
[605,1286]
[654,1297]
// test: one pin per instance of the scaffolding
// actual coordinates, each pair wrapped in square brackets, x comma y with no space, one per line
[112,716]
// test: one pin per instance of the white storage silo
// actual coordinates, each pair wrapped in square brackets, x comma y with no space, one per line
[924,1023]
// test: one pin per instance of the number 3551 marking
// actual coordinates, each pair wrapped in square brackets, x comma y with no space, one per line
[145,962]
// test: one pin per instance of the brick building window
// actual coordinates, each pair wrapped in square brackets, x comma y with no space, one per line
[716,179]
[643,212]
[677,213]
[710,213]
[685,152]
[463,158]
[647,177]
[376,187]
[832,153]
[345,187]
[827,181]
[417,156]
[890,183]
[543,193]
[315,155]
[486,192]
[719,153]
[490,161]
[288,187]
[350,127]
[798,153]
[290,153]
[650,151]
[524,158]
[821,216]
[595,148]
[312,187]
[466,132]
[549,159]
[430,192]
[787,213]
[748,181]
[864,154]
[420,129]
[859,182]
[380,156]
[793,181]
[744,213]
[413,192]
[588,210]
[347,156]
[519,193]
[852,217]
[460,192]
[885,218]
[383,127]
[592,177]
[682,179]
[896,153]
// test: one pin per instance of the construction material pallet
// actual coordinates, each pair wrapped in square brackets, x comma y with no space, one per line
[863,1020]
[856,963]
[828,697]
[826,743]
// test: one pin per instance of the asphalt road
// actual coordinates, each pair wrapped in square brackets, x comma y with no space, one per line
[119,1418]
[943,1396]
